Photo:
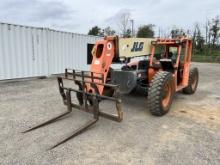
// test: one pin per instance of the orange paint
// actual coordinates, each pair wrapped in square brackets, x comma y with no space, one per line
[179,43]
[105,50]
[103,54]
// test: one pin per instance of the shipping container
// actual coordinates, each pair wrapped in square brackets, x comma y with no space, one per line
[32,51]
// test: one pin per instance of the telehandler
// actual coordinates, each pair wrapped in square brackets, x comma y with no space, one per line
[157,67]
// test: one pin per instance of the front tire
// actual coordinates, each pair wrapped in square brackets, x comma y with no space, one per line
[79,96]
[161,93]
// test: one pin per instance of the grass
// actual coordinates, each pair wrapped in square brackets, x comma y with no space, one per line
[206,58]
[211,55]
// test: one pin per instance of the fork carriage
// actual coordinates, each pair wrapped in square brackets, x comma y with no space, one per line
[88,101]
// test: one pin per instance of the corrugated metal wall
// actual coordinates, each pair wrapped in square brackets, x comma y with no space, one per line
[67,48]
[29,51]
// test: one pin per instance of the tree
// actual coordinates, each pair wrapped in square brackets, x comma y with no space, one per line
[123,23]
[215,30]
[145,31]
[194,37]
[177,32]
[96,31]
[127,34]
[108,31]
[198,39]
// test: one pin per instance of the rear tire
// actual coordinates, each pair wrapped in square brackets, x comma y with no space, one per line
[193,81]
[161,93]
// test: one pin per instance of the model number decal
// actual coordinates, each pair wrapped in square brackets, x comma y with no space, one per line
[137,46]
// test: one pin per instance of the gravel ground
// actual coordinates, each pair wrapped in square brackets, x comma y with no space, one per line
[188,134]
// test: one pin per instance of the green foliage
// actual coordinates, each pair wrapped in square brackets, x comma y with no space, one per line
[209,54]
[205,58]
[206,40]
[108,31]
[198,39]
[207,49]
[127,34]
[215,30]
[145,31]
[177,32]
[95,31]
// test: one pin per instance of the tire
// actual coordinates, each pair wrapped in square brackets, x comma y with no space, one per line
[193,81]
[161,92]
[80,99]
[79,95]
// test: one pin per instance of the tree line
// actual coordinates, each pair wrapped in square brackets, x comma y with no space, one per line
[124,28]
[205,36]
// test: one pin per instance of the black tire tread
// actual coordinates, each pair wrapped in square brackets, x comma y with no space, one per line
[188,89]
[154,93]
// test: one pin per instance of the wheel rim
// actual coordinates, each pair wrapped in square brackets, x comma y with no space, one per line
[194,82]
[167,92]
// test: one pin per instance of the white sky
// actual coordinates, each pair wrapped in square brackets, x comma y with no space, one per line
[80,15]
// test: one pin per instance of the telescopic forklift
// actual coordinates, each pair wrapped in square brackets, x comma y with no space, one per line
[155,66]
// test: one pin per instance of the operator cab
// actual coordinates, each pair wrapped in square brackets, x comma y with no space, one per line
[165,57]
[170,55]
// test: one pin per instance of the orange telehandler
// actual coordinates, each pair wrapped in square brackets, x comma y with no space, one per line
[162,68]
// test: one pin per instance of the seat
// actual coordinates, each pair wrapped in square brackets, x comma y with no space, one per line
[143,64]
[167,64]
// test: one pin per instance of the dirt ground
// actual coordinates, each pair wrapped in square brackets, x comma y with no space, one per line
[188,134]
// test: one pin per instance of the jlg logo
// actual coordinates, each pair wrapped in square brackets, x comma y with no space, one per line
[138,46]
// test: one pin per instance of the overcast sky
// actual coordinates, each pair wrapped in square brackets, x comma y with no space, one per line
[80,15]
